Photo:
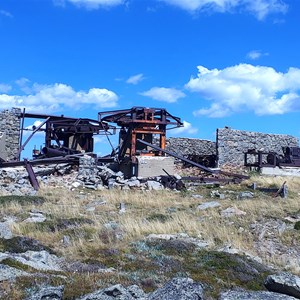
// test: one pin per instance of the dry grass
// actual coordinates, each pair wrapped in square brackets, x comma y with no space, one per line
[155,212]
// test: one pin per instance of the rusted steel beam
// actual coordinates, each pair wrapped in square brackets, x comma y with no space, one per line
[29,138]
[211,179]
[31,175]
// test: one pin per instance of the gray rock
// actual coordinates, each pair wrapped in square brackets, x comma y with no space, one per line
[115,292]
[134,183]
[9,273]
[48,293]
[250,295]
[284,283]
[66,240]
[207,205]
[197,196]
[154,185]
[136,292]
[39,260]
[179,289]
[5,232]
[245,195]
[231,212]
[35,218]
[217,194]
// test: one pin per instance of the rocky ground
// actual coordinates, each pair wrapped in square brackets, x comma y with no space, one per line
[98,236]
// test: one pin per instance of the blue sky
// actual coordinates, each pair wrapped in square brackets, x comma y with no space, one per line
[214,63]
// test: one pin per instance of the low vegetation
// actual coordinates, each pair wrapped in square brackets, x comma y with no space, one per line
[99,235]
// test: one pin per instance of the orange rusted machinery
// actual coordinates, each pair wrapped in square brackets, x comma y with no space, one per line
[147,124]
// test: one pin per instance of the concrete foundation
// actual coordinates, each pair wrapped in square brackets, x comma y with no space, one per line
[149,166]
[283,171]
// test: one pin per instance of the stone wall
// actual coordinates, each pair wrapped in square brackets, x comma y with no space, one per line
[9,133]
[232,144]
[187,147]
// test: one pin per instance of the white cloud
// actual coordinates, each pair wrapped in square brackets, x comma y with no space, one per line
[256,54]
[135,79]
[260,8]
[55,97]
[169,95]
[4,88]
[244,87]
[187,128]
[6,13]
[24,85]
[93,4]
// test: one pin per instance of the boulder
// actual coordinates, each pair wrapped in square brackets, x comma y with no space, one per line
[179,289]
[251,295]
[10,273]
[49,292]
[207,205]
[117,292]
[284,283]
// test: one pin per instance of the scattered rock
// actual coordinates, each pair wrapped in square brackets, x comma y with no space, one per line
[9,273]
[136,292]
[35,217]
[5,232]
[284,283]
[180,240]
[114,292]
[217,194]
[207,205]
[245,195]
[250,295]
[231,212]
[39,260]
[154,185]
[197,196]
[49,292]
[179,289]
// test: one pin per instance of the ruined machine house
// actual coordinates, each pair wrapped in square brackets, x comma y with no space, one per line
[141,150]
[141,124]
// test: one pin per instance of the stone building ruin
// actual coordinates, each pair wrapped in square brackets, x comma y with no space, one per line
[228,149]
[9,133]
[230,146]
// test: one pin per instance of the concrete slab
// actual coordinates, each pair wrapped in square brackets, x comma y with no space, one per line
[283,171]
[150,166]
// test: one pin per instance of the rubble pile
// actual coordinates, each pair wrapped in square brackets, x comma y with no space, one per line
[88,175]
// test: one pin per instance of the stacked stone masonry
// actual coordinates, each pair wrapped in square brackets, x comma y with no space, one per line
[186,146]
[232,144]
[9,133]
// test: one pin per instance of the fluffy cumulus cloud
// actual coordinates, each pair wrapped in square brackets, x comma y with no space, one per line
[91,4]
[260,8]
[169,95]
[51,98]
[135,79]
[187,128]
[245,87]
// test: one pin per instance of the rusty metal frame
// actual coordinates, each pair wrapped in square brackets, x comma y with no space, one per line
[63,135]
[138,123]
